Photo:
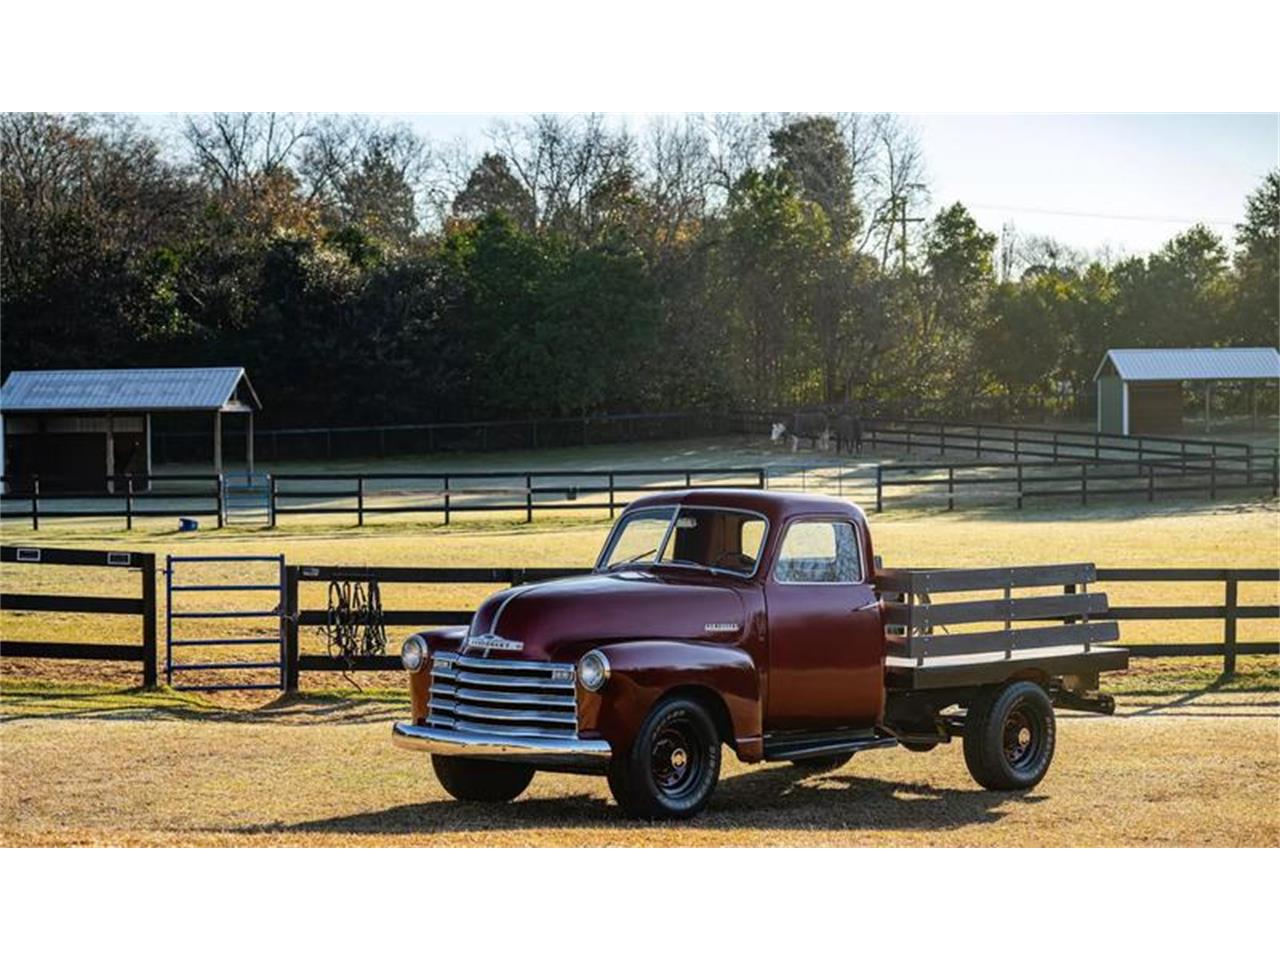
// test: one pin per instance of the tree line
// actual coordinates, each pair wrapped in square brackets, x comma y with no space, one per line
[364,275]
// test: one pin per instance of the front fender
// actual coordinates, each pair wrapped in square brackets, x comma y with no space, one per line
[641,672]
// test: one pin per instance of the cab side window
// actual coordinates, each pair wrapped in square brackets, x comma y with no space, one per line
[820,551]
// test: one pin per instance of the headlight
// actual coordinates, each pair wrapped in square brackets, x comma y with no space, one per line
[593,670]
[413,654]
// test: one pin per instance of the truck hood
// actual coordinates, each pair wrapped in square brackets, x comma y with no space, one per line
[562,619]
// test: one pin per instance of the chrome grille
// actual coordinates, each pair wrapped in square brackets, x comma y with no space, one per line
[514,697]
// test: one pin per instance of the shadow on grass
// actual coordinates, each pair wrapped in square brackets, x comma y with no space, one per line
[161,704]
[773,798]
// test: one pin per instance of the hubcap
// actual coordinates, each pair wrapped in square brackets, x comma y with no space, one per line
[676,760]
[1021,738]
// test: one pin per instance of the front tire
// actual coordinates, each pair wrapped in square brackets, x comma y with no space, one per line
[672,766]
[1009,737]
[481,781]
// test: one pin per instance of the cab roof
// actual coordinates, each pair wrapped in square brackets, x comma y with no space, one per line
[775,506]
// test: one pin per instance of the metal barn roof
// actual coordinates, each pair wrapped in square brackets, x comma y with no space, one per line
[66,391]
[1199,363]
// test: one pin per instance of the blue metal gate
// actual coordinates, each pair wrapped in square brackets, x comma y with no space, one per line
[232,673]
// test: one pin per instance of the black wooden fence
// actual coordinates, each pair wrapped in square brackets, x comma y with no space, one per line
[1068,611]
[142,606]
[1149,478]
[362,494]
[297,616]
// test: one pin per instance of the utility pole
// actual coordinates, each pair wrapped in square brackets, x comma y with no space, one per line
[897,210]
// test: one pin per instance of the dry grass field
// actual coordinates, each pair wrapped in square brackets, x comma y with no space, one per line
[1171,772]
[84,759]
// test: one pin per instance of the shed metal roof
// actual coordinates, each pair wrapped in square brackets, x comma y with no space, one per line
[1198,363]
[171,389]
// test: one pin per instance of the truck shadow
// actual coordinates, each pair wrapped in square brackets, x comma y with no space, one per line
[769,799]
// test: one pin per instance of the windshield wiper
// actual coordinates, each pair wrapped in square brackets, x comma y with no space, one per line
[638,556]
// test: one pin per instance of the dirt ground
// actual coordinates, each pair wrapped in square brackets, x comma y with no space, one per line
[1196,769]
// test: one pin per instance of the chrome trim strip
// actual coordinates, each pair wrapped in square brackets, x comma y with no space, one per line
[501,680]
[501,696]
[494,663]
[499,713]
[468,742]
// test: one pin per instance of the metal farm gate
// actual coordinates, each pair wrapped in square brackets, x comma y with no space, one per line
[210,577]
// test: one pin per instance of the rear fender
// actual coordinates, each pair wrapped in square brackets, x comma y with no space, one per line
[642,672]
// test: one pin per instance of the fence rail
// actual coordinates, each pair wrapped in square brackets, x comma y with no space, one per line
[1072,609]
[143,606]
[295,575]
[1151,477]
[363,494]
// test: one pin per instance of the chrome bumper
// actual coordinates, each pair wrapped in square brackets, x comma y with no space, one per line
[549,751]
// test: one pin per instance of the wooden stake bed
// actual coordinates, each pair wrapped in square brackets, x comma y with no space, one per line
[1059,634]
[939,672]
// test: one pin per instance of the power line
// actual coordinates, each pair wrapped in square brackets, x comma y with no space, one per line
[1101,216]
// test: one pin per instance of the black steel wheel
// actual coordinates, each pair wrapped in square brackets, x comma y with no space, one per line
[822,764]
[481,781]
[1009,736]
[672,766]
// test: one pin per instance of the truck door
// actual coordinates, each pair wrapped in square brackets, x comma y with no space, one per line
[826,638]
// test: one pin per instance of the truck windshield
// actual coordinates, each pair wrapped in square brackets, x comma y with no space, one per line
[708,537]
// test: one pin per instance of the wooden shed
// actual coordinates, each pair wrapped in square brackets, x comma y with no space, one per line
[1140,391]
[78,428]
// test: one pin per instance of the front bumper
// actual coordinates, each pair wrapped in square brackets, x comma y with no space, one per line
[541,751]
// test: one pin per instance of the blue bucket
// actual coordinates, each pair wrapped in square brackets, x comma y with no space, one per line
[187,525]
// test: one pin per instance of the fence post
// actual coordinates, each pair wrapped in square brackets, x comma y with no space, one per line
[359,501]
[128,501]
[1084,486]
[978,448]
[1055,447]
[271,501]
[1019,469]
[35,502]
[611,496]
[1229,626]
[446,501]
[688,479]
[1213,477]
[942,439]
[528,498]
[1275,474]
[879,488]
[1016,452]
[291,629]
[1151,483]
[148,619]
[951,488]
[219,494]
[1096,450]
[763,477]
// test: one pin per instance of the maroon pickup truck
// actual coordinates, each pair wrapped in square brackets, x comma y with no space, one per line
[757,620]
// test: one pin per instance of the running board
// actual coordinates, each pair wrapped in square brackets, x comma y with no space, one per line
[822,745]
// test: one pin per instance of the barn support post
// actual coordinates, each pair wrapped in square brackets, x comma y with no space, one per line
[146,419]
[248,442]
[111,454]
[217,443]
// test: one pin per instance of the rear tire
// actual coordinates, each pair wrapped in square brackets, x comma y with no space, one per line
[481,781]
[671,768]
[1009,736]
[814,765]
